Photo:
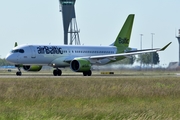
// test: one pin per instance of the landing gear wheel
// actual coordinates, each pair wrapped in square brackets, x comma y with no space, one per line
[18,73]
[87,73]
[57,72]
[84,73]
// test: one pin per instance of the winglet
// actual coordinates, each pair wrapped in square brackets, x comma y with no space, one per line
[15,44]
[162,49]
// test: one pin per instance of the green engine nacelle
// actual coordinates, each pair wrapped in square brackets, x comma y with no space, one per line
[34,68]
[80,65]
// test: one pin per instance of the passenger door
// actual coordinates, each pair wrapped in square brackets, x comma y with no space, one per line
[33,52]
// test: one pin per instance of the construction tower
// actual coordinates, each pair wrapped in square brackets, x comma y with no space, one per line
[178,37]
[69,21]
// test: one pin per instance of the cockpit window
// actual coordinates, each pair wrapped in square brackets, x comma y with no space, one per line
[18,51]
[21,50]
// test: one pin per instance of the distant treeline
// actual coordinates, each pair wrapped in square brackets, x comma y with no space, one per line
[3,62]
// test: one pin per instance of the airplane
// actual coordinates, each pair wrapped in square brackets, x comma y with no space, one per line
[79,58]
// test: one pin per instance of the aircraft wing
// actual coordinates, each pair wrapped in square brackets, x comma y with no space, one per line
[113,56]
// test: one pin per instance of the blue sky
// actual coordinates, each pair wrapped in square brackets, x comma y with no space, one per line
[99,21]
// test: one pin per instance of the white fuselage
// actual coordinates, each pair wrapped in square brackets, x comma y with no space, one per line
[56,55]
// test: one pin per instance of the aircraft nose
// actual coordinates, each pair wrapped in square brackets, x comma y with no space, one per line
[9,58]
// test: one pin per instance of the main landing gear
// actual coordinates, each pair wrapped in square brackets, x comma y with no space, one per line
[87,73]
[57,72]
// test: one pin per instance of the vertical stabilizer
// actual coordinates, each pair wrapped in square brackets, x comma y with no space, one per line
[123,39]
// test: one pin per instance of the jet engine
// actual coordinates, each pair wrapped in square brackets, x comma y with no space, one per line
[80,65]
[34,68]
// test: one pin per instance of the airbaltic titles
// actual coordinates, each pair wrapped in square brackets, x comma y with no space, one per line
[49,50]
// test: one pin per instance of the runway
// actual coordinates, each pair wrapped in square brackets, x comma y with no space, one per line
[45,75]
[117,74]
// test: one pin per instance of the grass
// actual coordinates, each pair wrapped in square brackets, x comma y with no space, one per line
[141,98]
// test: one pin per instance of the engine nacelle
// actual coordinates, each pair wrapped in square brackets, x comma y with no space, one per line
[34,68]
[80,65]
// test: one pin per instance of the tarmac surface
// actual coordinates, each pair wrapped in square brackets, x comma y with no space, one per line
[119,74]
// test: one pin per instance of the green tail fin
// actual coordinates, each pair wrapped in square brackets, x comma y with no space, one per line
[123,38]
[15,44]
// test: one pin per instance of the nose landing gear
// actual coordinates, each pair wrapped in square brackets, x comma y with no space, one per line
[18,73]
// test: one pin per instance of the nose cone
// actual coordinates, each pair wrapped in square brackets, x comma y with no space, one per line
[10,58]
